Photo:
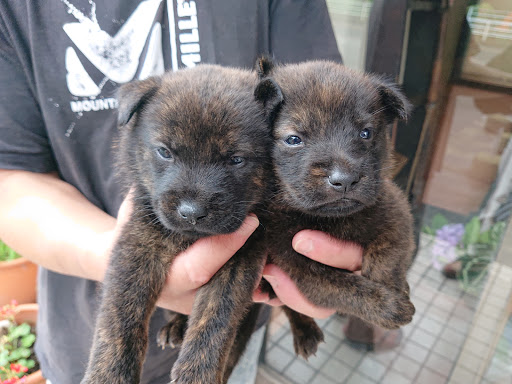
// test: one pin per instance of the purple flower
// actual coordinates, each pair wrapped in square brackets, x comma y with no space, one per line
[442,253]
[451,233]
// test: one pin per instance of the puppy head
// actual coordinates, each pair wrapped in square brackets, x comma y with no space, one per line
[331,146]
[196,143]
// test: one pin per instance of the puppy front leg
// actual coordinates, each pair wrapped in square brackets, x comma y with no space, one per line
[387,263]
[306,333]
[219,308]
[347,292]
[135,277]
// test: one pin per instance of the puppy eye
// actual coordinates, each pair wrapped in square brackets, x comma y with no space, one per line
[293,140]
[164,153]
[236,160]
[365,133]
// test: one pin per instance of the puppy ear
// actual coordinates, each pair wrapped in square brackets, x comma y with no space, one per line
[270,95]
[394,101]
[132,97]
[264,66]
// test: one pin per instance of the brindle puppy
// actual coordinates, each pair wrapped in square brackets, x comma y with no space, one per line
[331,159]
[193,145]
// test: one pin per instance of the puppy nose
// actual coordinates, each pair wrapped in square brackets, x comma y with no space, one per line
[191,211]
[343,181]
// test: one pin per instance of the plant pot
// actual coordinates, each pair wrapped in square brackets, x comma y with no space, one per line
[27,313]
[18,281]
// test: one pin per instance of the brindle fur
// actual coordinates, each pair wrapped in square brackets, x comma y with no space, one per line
[203,116]
[328,105]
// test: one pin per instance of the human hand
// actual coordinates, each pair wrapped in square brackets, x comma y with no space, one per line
[317,246]
[195,266]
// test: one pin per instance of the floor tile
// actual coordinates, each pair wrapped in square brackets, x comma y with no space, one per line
[394,377]
[476,347]
[335,328]
[462,311]
[424,293]
[445,349]
[329,345]
[278,358]
[336,370]
[427,376]
[385,357]
[318,360]
[276,331]
[321,379]
[407,330]
[300,372]
[453,337]
[286,342]
[348,355]
[444,302]
[415,352]
[413,278]
[357,378]
[461,375]
[434,274]
[438,314]
[406,367]
[470,362]
[372,368]
[461,325]
[419,305]
[439,364]
[431,326]
[423,338]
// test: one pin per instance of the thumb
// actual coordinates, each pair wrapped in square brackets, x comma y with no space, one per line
[197,264]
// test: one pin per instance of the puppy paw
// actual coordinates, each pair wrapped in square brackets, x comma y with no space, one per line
[306,339]
[173,333]
[397,311]
[189,373]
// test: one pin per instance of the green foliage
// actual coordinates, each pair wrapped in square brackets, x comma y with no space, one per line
[15,348]
[479,252]
[472,232]
[7,253]
[438,221]
[477,249]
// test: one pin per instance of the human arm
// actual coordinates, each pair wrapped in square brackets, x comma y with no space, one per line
[51,223]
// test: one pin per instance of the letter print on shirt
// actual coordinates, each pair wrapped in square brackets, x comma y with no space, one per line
[119,56]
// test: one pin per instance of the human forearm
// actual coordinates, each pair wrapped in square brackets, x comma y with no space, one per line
[51,223]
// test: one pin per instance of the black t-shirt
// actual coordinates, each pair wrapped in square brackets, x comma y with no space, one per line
[60,64]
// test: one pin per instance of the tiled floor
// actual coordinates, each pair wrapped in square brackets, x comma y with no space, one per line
[428,353]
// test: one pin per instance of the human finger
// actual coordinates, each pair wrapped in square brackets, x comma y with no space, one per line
[288,293]
[195,266]
[323,248]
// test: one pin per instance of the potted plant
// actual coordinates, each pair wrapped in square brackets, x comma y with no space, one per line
[17,277]
[18,363]
[464,251]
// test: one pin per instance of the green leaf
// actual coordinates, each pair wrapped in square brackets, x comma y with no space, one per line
[485,237]
[428,230]
[28,341]
[496,233]
[438,221]
[29,363]
[19,331]
[472,231]
[3,359]
[19,353]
